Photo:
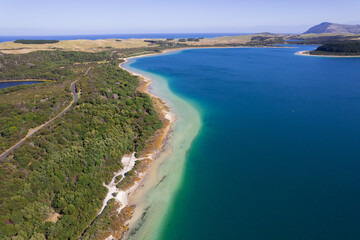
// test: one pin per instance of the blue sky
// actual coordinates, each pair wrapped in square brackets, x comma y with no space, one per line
[31,17]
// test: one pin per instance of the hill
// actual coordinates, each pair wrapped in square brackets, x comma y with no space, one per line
[327,27]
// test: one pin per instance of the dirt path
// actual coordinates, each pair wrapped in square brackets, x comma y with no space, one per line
[32,131]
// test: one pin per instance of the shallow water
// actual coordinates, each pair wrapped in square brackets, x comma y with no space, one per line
[278,152]
[161,183]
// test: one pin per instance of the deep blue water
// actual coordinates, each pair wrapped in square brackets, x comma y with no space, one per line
[11,84]
[119,36]
[278,155]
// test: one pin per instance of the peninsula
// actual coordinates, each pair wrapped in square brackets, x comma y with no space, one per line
[179,120]
[347,48]
[70,178]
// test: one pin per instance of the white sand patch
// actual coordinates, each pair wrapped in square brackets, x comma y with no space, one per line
[120,196]
[110,238]
[157,189]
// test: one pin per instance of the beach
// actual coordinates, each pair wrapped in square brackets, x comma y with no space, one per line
[155,187]
[270,146]
[251,146]
[306,53]
[155,198]
[150,196]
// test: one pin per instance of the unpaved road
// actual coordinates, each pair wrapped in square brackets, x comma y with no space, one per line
[32,131]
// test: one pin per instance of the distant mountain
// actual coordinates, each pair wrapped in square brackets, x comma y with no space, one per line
[327,27]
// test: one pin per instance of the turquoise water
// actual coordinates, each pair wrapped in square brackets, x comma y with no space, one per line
[278,153]
[11,84]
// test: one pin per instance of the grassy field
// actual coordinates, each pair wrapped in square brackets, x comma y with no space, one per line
[74,45]
[315,35]
[107,44]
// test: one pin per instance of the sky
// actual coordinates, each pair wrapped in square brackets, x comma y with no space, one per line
[36,17]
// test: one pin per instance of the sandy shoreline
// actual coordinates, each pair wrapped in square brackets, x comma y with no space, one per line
[151,178]
[306,53]
[122,195]
[187,48]
[157,188]
[156,192]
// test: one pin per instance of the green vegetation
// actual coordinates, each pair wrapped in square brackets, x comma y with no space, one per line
[36,41]
[109,222]
[163,44]
[131,175]
[23,107]
[338,48]
[193,39]
[323,38]
[60,170]
[52,186]
[266,40]
[54,65]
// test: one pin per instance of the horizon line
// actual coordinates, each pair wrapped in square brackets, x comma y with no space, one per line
[99,34]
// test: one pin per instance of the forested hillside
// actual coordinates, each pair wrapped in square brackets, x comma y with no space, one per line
[52,186]
[338,48]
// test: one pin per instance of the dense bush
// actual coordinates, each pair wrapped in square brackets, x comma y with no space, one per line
[52,65]
[36,41]
[341,48]
[27,106]
[62,168]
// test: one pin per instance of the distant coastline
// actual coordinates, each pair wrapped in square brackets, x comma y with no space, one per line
[145,226]
[9,38]
[165,51]
[151,174]
[307,53]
